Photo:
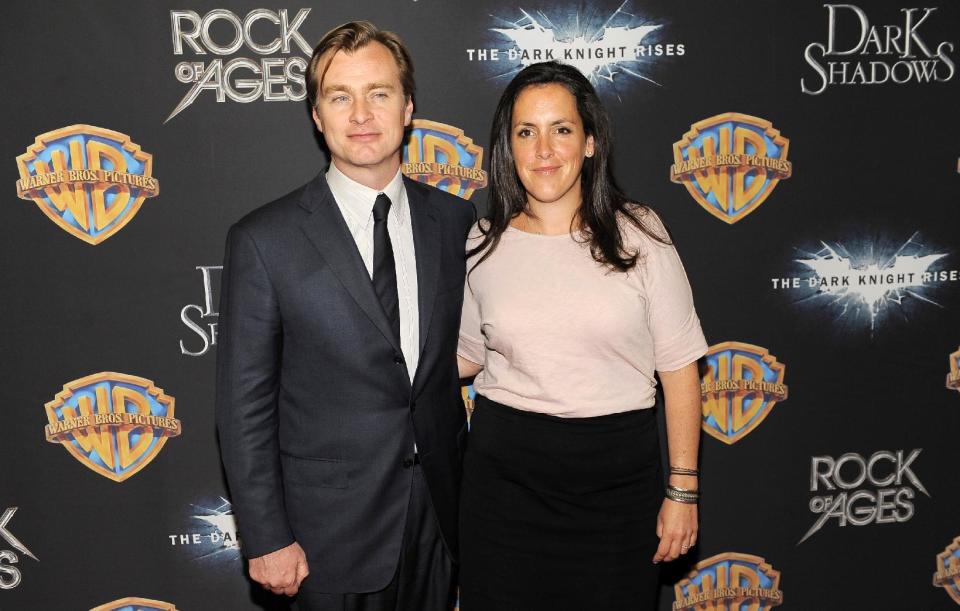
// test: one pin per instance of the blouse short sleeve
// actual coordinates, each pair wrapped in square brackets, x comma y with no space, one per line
[470,345]
[674,326]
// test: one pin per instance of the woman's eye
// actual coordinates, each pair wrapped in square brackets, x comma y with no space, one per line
[523,133]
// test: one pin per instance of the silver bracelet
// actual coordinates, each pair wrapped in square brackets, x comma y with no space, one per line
[682,495]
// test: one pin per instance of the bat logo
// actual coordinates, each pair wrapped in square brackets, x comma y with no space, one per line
[222,520]
[597,55]
[867,286]
[610,49]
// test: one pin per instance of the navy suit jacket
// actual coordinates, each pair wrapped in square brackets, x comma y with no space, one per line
[316,414]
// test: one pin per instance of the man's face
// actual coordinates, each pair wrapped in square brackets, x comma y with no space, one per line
[362,111]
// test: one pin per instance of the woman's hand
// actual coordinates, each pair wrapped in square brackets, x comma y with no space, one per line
[677,529]
[677,522]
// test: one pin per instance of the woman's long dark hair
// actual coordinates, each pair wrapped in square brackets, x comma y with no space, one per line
[603,203]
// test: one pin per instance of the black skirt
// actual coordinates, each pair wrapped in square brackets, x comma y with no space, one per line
[559,513]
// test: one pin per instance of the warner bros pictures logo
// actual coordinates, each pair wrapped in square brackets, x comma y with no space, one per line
[739,389]
[731,163]
[10,575]
[134,603]
[947,575]
[442,156]
[113,423]
[953,377]
[90,181]
[729,581]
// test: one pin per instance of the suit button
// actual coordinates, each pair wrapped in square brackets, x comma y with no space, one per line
[407,463]
[398,359]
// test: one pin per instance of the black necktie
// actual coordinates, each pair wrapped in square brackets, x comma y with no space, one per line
[384,267]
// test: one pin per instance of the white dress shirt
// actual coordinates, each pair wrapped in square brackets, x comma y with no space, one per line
[356,205]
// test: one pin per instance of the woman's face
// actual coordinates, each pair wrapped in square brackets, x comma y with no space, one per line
[549,144]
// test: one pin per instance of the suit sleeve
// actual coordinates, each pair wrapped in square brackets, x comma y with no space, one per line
[248,375]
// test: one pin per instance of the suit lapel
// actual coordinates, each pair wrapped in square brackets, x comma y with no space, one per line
[426,243]
[328,233]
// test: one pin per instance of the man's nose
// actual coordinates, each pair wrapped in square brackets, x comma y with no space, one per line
[360,111]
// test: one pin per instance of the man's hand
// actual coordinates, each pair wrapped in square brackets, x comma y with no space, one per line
[281,571]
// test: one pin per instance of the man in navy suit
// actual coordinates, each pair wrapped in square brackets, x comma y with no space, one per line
[338,402]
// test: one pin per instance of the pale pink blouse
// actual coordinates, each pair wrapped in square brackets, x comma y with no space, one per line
[560,334]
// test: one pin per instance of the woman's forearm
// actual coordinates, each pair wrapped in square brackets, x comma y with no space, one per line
[681,392]
[467,369]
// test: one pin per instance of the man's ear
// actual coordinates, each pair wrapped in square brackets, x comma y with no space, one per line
[408,111]
[316,120]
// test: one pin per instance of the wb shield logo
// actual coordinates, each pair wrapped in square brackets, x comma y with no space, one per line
[948,570]
[469,396]
[742,384]
[731,163]
[113,423]
[730,581]
[442,156]
[953,377]
[88,180]
[133,603]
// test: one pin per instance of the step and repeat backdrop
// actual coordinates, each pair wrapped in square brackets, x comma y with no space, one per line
[804,155]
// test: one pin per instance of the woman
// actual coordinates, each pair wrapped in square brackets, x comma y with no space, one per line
[575,296]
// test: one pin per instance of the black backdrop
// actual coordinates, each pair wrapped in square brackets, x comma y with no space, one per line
[872,190]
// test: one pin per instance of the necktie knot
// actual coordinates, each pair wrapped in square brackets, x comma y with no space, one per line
[381,208]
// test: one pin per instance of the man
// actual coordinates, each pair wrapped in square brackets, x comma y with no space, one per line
[338,403]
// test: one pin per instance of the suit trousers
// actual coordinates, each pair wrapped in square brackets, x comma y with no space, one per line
[425,578]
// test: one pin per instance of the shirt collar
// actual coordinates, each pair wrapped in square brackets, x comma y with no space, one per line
[358,199]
